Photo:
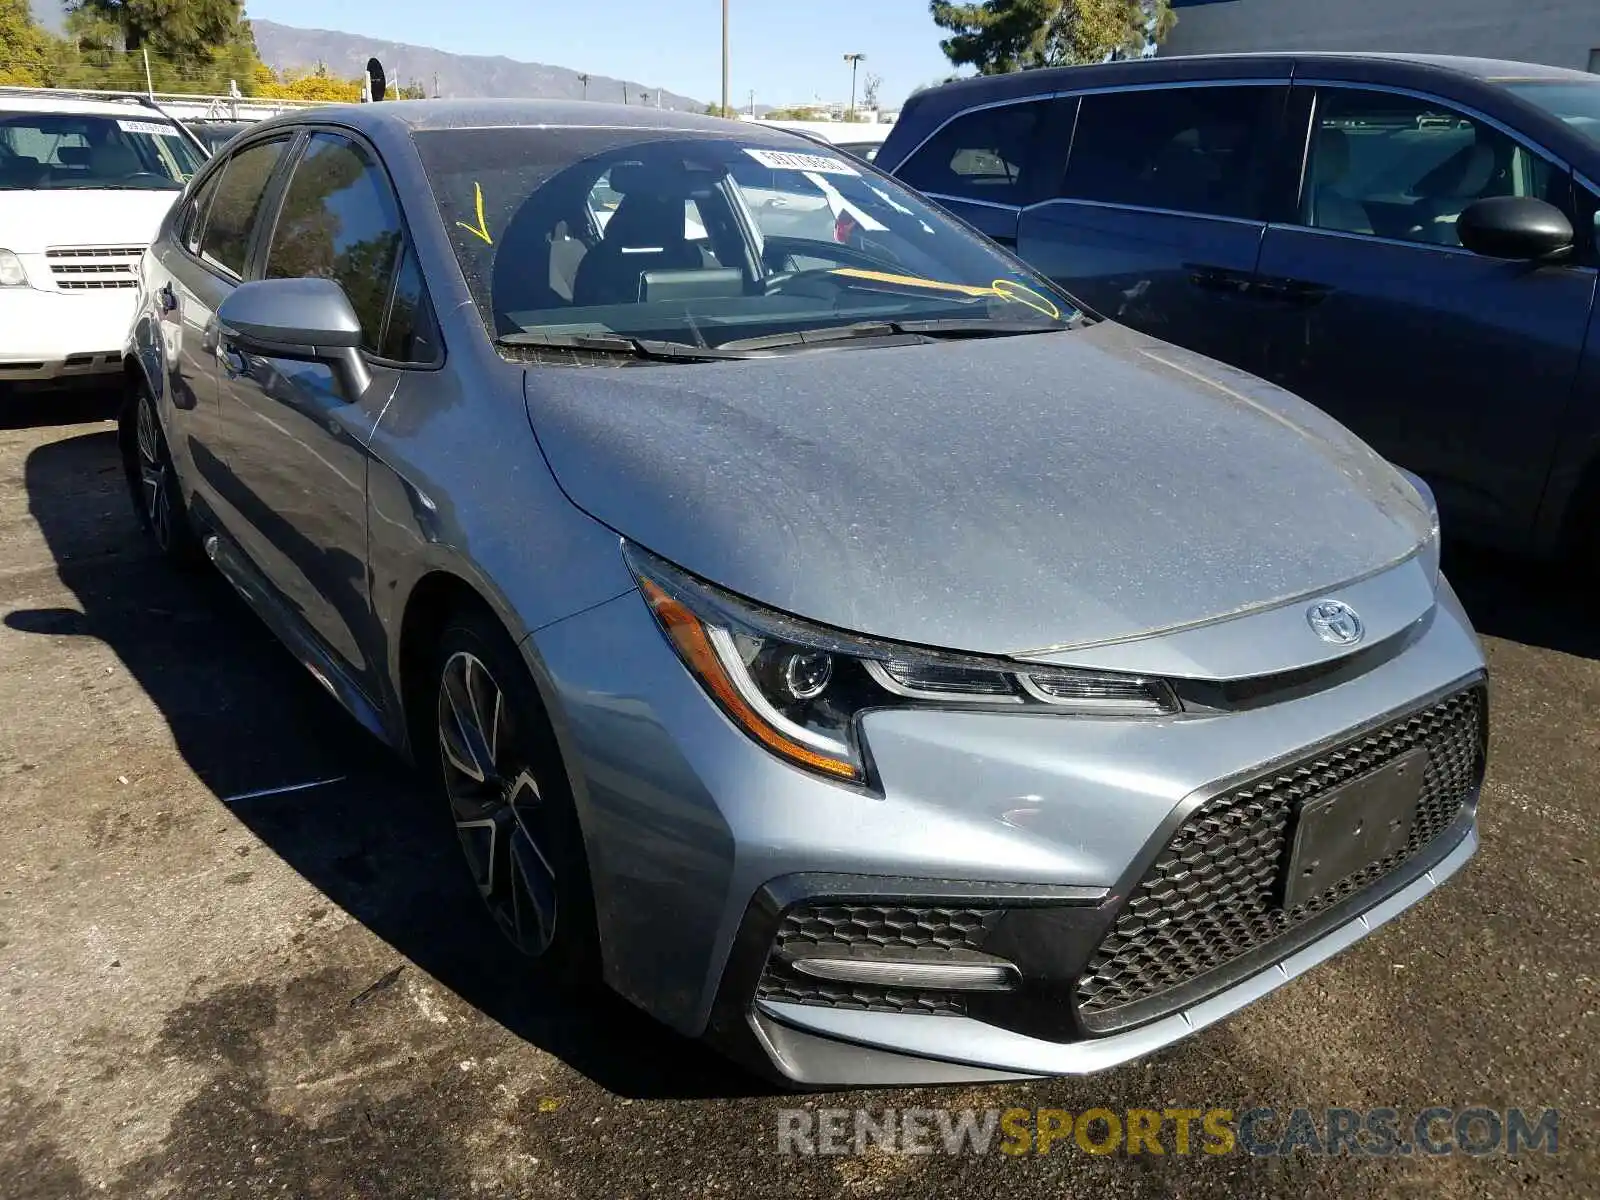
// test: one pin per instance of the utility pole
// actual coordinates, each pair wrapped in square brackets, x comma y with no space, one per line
[855,61]
[726,109]
[752,102]
[584,79]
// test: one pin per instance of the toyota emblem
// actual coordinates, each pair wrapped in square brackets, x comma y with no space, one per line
[1336,622]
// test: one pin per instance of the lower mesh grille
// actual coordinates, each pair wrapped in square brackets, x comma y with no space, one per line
[878,931]
[1211,896]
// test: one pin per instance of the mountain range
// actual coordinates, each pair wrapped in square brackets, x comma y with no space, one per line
[457,75]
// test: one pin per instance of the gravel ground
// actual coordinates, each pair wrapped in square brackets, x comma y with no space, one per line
[211,995]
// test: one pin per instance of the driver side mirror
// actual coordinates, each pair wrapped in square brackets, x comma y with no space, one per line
[306,320]
[1516,227]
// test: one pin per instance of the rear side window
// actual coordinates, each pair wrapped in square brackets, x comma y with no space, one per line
[236,204]
[340,221]
[982,155]
[1194,150]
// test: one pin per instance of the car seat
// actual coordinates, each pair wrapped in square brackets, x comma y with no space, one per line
[646,233]
[1329,206]
[1450,188]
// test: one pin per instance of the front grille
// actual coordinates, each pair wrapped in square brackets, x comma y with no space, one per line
[1211,895]
[879,931]
[94,268]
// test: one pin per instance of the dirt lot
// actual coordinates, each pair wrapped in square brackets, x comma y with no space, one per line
[205,994]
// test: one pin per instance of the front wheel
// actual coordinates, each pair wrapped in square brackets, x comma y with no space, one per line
[509,797]
[153,483]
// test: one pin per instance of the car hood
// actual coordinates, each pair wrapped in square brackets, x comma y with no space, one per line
[1018,495]
[31,221]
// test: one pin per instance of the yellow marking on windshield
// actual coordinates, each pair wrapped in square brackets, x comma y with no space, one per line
[966,289]
[481,229]
[1005,289]
[1023,294]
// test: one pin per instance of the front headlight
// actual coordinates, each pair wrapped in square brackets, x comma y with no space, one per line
[799,688]
[11,272]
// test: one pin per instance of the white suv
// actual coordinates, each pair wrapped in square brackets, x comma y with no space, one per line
[84,185]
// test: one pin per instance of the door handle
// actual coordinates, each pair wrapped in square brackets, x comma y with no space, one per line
[1299,293]
[1219,279]
[1010,243]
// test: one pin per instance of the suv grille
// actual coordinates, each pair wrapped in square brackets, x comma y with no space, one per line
[93,268]
[879,931]
[1211,896]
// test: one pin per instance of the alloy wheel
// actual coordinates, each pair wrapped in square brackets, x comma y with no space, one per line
[495,797]
[154,488]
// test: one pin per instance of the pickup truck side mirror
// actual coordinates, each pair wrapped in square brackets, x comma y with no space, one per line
[307,320]
[1516,227]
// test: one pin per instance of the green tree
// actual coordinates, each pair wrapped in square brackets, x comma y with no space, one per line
[26,49]
[194,45]
[998,36]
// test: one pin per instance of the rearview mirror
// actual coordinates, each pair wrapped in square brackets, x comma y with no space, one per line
[307,320]
[1516,227]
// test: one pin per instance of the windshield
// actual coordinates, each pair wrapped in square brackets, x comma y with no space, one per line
[60,150]
[1578,104]
[706,240]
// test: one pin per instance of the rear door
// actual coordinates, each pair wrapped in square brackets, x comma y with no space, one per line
[982,165]
[1455,366]
[1159,216]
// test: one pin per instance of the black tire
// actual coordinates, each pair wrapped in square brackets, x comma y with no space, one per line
[518,826]
[153,482]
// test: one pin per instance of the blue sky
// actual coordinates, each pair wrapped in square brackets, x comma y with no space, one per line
[787,50]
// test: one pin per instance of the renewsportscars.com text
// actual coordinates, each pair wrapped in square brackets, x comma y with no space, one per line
[1262,1132]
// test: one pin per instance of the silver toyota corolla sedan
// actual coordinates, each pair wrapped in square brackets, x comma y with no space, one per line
[820,628]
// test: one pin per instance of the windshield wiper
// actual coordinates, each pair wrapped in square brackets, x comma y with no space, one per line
[942,327]
[608,343]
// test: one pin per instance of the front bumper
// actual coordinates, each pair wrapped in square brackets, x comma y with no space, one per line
[689,825]
[49,335]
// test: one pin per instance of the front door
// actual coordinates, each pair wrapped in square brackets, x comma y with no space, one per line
[1455,366]
[213,238]
[296,444]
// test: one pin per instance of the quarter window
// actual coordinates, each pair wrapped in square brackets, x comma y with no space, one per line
[409,333]
[236,204]
[980,156]
[1195,150]
[339,221]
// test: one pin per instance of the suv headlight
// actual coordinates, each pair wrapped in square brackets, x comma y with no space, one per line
[11,272]
[799,688]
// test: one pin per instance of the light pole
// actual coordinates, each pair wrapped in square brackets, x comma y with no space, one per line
[726,111]
[855,61]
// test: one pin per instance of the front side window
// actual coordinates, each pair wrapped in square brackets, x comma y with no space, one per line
[236,204]
[340,221]
[62,150]
[1399,167]
[1202,150]
[705,239]
[982,155]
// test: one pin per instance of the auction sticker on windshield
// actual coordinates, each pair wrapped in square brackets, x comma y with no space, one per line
[787,160]
[154,128]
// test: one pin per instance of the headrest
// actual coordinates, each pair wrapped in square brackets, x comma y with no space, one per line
[73,156]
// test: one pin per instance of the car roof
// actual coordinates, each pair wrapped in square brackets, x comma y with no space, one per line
[1199,67]
[496,114]
[75,106]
